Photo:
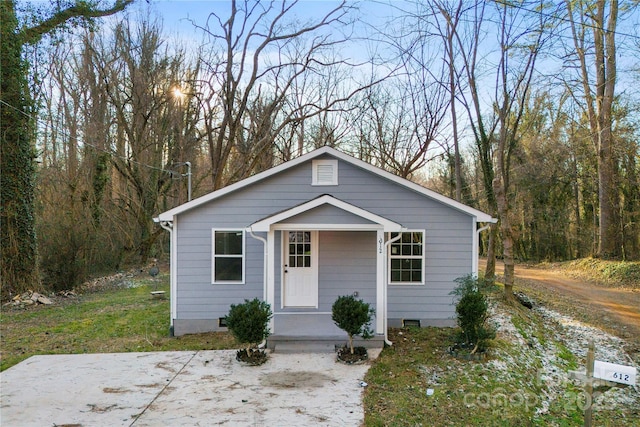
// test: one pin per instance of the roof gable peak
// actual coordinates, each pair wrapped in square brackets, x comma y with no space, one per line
[325,150]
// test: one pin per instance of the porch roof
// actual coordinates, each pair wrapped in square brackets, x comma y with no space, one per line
[377,221]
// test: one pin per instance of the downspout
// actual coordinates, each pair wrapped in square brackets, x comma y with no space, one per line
[477,247]
[480,230]
[386,285]
[264,266]
[264,272]
[168,225]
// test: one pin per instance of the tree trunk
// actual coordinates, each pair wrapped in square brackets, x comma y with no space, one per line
[507,237]
[490,269]
[598,103]
[17,162]
[608,195]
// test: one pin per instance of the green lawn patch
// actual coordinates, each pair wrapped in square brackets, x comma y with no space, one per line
[114,320]
[523,381]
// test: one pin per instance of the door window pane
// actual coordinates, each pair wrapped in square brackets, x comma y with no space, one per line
[299,249]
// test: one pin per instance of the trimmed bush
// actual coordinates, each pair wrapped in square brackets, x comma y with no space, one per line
[472,314]
[352,316]
[249,322]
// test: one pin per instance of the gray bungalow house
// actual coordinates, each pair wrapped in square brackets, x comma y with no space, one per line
[309,230]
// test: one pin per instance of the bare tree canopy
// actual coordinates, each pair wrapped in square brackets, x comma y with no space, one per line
[17,198]
[525,110]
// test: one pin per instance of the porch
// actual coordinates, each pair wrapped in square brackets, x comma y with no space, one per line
[312,332]
[314,253]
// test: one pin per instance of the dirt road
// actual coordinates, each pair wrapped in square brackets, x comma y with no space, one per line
[615,310]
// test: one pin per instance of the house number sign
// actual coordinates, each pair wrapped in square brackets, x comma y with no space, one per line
[614,372]
[380,246]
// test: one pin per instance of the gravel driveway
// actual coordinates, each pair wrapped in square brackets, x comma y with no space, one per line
[184,388]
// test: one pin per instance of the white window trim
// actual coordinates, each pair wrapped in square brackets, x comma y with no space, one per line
[326,162]
[423,257]
[214,256]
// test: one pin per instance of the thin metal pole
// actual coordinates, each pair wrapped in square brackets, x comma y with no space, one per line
[188,164]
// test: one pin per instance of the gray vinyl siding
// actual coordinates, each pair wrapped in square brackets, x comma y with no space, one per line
[347,264]
[327,214]
[347,259]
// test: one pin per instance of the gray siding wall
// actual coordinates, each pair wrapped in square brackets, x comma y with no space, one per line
[327,214]
[448,242]
[447,257]
[347,264]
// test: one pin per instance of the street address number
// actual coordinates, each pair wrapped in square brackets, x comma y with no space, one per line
[614,372]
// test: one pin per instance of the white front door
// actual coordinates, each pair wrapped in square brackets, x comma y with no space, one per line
[300,270]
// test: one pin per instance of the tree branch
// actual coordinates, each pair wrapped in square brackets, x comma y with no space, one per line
[81,9]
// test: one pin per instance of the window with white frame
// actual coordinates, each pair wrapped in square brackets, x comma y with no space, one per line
[228,256]
[406,258]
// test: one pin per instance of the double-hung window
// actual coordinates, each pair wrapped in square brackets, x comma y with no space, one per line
[228,256]
[406,258]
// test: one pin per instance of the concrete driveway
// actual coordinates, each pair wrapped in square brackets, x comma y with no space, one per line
[186,388]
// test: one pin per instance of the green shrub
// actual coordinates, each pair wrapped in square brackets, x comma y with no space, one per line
[249,322]
[352,316]
[472,314]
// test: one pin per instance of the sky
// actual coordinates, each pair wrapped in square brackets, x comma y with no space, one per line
[178,15]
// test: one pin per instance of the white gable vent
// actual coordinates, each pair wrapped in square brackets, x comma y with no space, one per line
[325,172]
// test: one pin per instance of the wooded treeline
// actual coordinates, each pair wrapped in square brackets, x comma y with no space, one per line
[523,109]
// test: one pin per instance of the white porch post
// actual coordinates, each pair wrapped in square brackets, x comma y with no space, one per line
[271,276]
[475,247]
[381,295]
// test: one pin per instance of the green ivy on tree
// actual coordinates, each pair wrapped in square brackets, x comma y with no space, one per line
[18,243]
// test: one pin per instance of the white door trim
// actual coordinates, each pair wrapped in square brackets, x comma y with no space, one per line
[304,273]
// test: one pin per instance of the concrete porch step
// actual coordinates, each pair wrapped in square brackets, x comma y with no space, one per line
[288,347]
[316,344]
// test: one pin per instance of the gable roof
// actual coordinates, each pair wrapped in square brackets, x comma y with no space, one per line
[479,215]
[326,199]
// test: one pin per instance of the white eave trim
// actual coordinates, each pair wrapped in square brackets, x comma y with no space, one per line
[479,215]
[266,223]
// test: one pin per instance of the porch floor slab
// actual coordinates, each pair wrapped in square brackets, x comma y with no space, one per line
[316,324]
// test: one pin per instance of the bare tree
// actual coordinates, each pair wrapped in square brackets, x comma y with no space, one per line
[519,40]
[452,13]
[17,157]
[468,40]
[601,18]
[512,90]
[148,135]
[258,57]
[400,121]
[123,134]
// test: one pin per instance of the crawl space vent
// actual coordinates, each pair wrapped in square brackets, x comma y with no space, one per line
[410,322]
